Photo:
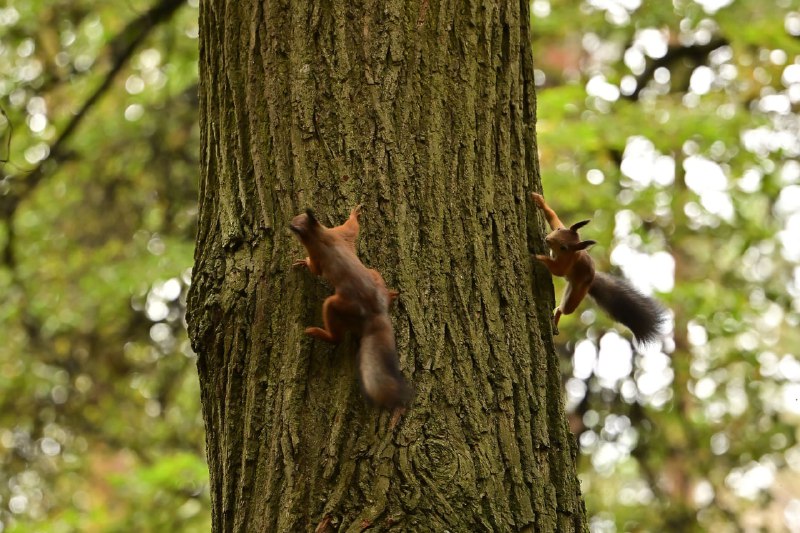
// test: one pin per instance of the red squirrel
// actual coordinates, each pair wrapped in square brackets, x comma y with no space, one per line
[641,314]
[359,304]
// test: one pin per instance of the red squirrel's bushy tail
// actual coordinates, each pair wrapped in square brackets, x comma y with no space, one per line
[378,366]
[643,315]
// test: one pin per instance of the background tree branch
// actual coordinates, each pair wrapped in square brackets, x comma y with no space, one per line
[120,49]
[697,53]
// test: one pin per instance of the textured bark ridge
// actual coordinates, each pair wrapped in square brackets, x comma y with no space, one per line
[424,113]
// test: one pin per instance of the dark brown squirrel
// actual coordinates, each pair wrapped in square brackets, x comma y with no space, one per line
[360,304]
[643,315]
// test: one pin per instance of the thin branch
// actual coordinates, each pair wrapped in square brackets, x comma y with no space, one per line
[121,48]
[698,53]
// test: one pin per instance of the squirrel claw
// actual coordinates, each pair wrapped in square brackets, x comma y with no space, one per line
[299,263]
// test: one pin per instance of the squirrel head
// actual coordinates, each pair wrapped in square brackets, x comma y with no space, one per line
[305,225]
[567,240]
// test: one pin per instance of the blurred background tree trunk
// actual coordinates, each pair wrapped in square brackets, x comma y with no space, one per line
[423,112]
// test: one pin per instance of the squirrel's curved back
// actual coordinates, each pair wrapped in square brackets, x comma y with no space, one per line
[643,315]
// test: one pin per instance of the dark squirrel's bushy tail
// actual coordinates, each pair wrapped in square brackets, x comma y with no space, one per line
[643,315]
[378,365]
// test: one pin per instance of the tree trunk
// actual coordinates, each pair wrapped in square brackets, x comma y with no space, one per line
[424,113]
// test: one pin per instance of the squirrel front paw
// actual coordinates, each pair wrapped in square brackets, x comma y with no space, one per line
[538,199]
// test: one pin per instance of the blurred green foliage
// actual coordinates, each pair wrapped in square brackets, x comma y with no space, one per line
[672,124]
[100,425]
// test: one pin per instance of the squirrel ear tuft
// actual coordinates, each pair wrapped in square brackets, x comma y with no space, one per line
[582,245]
[311,218]
[578,225]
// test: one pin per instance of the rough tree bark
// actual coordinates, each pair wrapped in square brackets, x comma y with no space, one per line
[424,112]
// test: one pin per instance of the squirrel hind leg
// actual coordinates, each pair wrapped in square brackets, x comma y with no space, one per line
[323,335]
[334,316]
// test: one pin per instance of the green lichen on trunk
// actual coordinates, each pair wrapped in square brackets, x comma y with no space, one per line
[424,112]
